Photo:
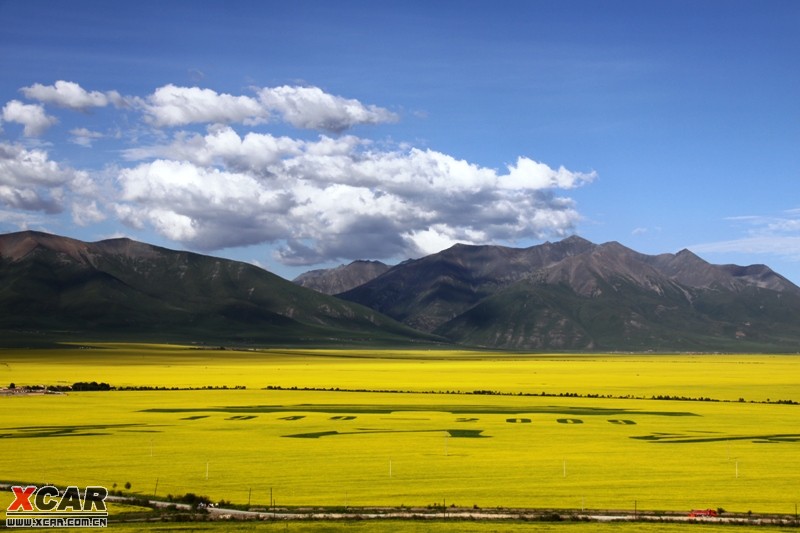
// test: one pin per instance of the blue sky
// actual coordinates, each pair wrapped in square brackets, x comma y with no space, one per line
[300,135]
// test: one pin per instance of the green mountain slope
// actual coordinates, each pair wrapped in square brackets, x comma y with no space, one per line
[427,292]
[575,295]
[124,289]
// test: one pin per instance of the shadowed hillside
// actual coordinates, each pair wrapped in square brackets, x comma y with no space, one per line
[576,295]
[120,288]
[568,295]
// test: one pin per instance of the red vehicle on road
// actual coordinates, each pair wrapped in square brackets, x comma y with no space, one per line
[703,512]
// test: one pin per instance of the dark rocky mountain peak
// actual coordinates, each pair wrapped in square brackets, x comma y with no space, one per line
[576,242]
[18,246]
[687,268]
[574,294]
[426,292]
[342,278]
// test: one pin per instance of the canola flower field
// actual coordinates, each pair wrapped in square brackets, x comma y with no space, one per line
[347,428]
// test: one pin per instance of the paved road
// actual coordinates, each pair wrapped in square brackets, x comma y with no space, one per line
[471,514]
[451,514]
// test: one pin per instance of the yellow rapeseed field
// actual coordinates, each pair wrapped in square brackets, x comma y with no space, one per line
[611,447]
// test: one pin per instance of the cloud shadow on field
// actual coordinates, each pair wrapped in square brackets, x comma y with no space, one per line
[89,430]
[454,433]
[389,409]
[677,438]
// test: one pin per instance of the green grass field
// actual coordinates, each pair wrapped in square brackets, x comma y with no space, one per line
[337,448]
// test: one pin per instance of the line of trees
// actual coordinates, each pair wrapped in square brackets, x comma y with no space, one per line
[81,386]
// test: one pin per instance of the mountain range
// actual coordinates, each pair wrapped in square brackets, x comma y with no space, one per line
[577,295]
[561,296]
[57,287]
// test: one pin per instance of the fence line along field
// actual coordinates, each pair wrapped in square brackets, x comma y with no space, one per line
[461,428]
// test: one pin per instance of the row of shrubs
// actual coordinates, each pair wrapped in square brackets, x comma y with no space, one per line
[95,386]
[82,386]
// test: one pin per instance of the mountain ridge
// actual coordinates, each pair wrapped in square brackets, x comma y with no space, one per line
[126,288]
[569,295]
[574,294]
[342,278]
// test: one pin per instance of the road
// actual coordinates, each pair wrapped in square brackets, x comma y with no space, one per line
[386,513]
[485,515]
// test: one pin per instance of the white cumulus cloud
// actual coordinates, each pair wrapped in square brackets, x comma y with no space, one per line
[204,207]
[217,179]
[530,174]
[70,95]
[312,108]
[29,180]
[177,106]
[302,107]
[335,198]
[222,146]
[32,117]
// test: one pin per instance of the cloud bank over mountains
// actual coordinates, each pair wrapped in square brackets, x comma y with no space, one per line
[205,169]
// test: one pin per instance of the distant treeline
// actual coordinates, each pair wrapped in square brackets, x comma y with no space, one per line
[207,387]
[78,386]
[82,386]
[540,394]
